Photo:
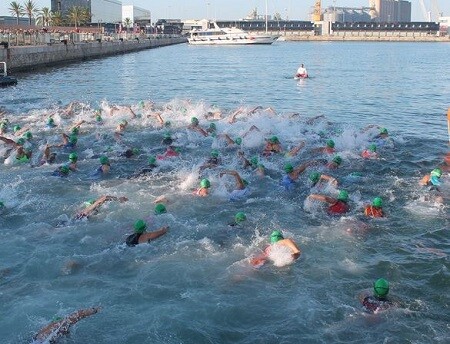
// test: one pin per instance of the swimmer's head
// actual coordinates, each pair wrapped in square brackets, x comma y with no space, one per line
[214,153]
[244,181]
[73,157]
[141,104]
[167,136]
[140,226]
[123,122]
[205,183]
[377,202]
[314,177]
[240,217]
[194,121]
[16,128]
[50,121]
[437,172]
[160,209]
[3,125]
[75,131]
[104,160]
[64,169]
[274,139]
[21,141]
[90,202]
[275,237]
[2,205]
[261,167]
[381,287]
[383,131]
[372,147]
[343,196]
[151,160]
[238,141]
[212,126]
[288,168]
[337,160]
[330,143]
[167,124]
[98,118]
[254,161]
[73,139]
[135,151]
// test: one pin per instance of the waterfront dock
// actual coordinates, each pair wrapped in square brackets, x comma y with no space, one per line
[28,58]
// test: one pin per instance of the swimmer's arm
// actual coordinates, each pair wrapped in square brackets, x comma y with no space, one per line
[252,128]
[322,198]
[301,168]
[159,118]
[330,179]
[236,176]
[146,237]
[234,115]
[77,125]
[201,131]
[80,314]
[229,140]
[295,150]
[8,141]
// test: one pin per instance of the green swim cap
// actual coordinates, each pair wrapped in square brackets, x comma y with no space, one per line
[123,122]
[73,157]
[141,103]
[215,153]
[377,202]
[254,161]
[50,120]
[167,136]
[75,130]
[274,139]
[64,169]
[337,160]
[212,126]
[90,201]
[383,131]
[238,141]
[21,141]
[3,125]
[73,139]
[98,118]
[275,237]
[240,217]
[151,160]
[2,204]
[314,177]
[167,124]
[261,166]
[330,143]
[104,160]
[205,183]
[343,196]
[16,128]
[140,226]
[437,172]
[381,287]
[160,209]
[177,149]
[135,151]
[244,181]
[373,147]
[288,168]
[194,120]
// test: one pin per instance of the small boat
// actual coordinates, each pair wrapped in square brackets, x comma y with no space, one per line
[215,35]
[6,80]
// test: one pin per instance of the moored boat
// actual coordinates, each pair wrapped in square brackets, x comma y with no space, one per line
[6,80]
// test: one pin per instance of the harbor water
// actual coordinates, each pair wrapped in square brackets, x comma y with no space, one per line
[195,284]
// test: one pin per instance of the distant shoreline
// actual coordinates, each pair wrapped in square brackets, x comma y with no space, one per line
[294,38]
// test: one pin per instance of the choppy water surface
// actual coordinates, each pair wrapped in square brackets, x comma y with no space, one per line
[195,284]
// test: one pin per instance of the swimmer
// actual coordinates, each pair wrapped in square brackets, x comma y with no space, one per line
[60,327]
[241,185]
[94,205]
[160,208]
[120,129]
[292,174]
[238,219]
[75,129]
[105,166]
[337,205]
[203,190]
[18,130]
[22,154]
[273,145]
[334,163]
[73,158]
[213,161]
[328,149]
[316,178]
[370,152]
[140,236]
[167,139]
[212,129]
[378,301]
[432,179]
[196,127]
[301,72]
[122,110]
[294,151]
[149,168]
[375,209]
[276,239]
[3,126]
[230,141]
[61,171]
[69,142]
[171,151]
[130,152]
[47,156]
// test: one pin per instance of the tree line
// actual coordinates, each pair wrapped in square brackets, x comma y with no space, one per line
[77,16]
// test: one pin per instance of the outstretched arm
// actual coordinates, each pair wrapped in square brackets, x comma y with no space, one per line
[239,182]
[146,237]
[8,141]
[323,198]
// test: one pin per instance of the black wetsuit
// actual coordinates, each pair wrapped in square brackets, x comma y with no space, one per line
[373,304]
[133,239]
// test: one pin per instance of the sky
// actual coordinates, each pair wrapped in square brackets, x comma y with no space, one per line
[238,9]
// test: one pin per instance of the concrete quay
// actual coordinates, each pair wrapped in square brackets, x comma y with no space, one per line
[364,38]
[28,58]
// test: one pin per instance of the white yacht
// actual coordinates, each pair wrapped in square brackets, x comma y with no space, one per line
[226,36]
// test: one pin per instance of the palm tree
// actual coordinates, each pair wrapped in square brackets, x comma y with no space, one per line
[16,9]
[75,15]
[57,18]
[30,9]
[85,15]
[45,17]
[127,22]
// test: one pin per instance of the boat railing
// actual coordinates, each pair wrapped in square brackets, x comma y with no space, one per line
[4,71]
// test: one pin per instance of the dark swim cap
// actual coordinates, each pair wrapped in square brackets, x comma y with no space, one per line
[377,202]
[73,157]
[194,120]
[381,287]
[160,209]
[314,177]
[343,196]
[275,237]
[240,217]
[140,226]
[288,168]
[104,160]
[205,183]
[330,143]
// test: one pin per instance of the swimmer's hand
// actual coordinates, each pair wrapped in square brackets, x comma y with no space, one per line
[123,199]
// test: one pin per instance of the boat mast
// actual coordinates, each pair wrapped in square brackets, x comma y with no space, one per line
[266,17]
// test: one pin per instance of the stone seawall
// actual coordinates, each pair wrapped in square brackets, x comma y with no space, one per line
[27,58]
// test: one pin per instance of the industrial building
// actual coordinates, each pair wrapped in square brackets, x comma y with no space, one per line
[102,11]
[11,21]
[138,16]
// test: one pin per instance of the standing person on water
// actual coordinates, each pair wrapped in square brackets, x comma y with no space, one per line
[301,72]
